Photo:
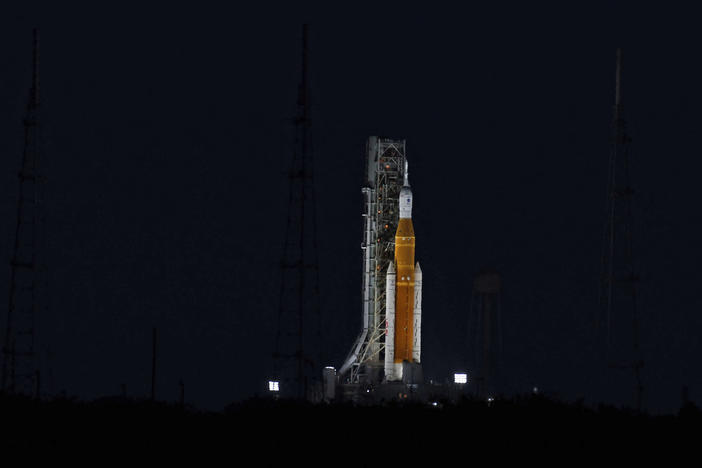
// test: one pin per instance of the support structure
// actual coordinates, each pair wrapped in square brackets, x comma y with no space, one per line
[298,339]
[485,331]
[619,317]
[384,177]
[28,275]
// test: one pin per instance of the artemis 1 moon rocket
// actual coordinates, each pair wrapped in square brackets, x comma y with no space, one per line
[403,295]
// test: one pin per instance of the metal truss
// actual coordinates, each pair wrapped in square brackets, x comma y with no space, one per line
[385,174]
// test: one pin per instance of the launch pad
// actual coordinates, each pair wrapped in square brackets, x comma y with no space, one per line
[387,352]
[385,362]
[412,389]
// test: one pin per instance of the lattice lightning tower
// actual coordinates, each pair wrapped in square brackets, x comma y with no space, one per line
[298,339]
[619,316]
[27,295]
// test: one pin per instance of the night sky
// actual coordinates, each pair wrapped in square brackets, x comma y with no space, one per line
[167,133]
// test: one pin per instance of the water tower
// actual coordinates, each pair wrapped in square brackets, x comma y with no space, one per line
[485,331]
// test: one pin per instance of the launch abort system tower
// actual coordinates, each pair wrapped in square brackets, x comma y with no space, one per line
[384,178]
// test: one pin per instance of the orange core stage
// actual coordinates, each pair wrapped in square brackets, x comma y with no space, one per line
[404,298]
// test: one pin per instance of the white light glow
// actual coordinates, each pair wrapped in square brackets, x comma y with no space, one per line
[273,386]
[460,378]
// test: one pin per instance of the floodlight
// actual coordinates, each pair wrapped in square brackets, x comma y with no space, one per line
[460,378]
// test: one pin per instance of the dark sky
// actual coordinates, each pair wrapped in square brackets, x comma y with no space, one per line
[166,143]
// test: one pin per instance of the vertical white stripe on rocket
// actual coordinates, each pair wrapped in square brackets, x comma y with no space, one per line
[416,346]
[390,282]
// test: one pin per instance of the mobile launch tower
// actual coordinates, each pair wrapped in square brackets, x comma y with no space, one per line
[385,180]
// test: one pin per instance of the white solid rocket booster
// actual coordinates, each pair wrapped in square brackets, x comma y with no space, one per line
[390,322]
[417,346]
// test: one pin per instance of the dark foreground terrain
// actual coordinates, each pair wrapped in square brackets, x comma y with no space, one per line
[261,432]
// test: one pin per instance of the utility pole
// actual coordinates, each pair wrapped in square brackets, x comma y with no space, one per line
[153,365]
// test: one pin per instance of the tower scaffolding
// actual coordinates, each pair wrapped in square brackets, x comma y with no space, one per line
[385,166]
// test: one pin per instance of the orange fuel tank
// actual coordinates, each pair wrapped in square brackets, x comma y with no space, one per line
[404,295]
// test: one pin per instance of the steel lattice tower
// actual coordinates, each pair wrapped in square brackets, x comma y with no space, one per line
[28,278]
[619,317]
[385,170]
[298,337]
